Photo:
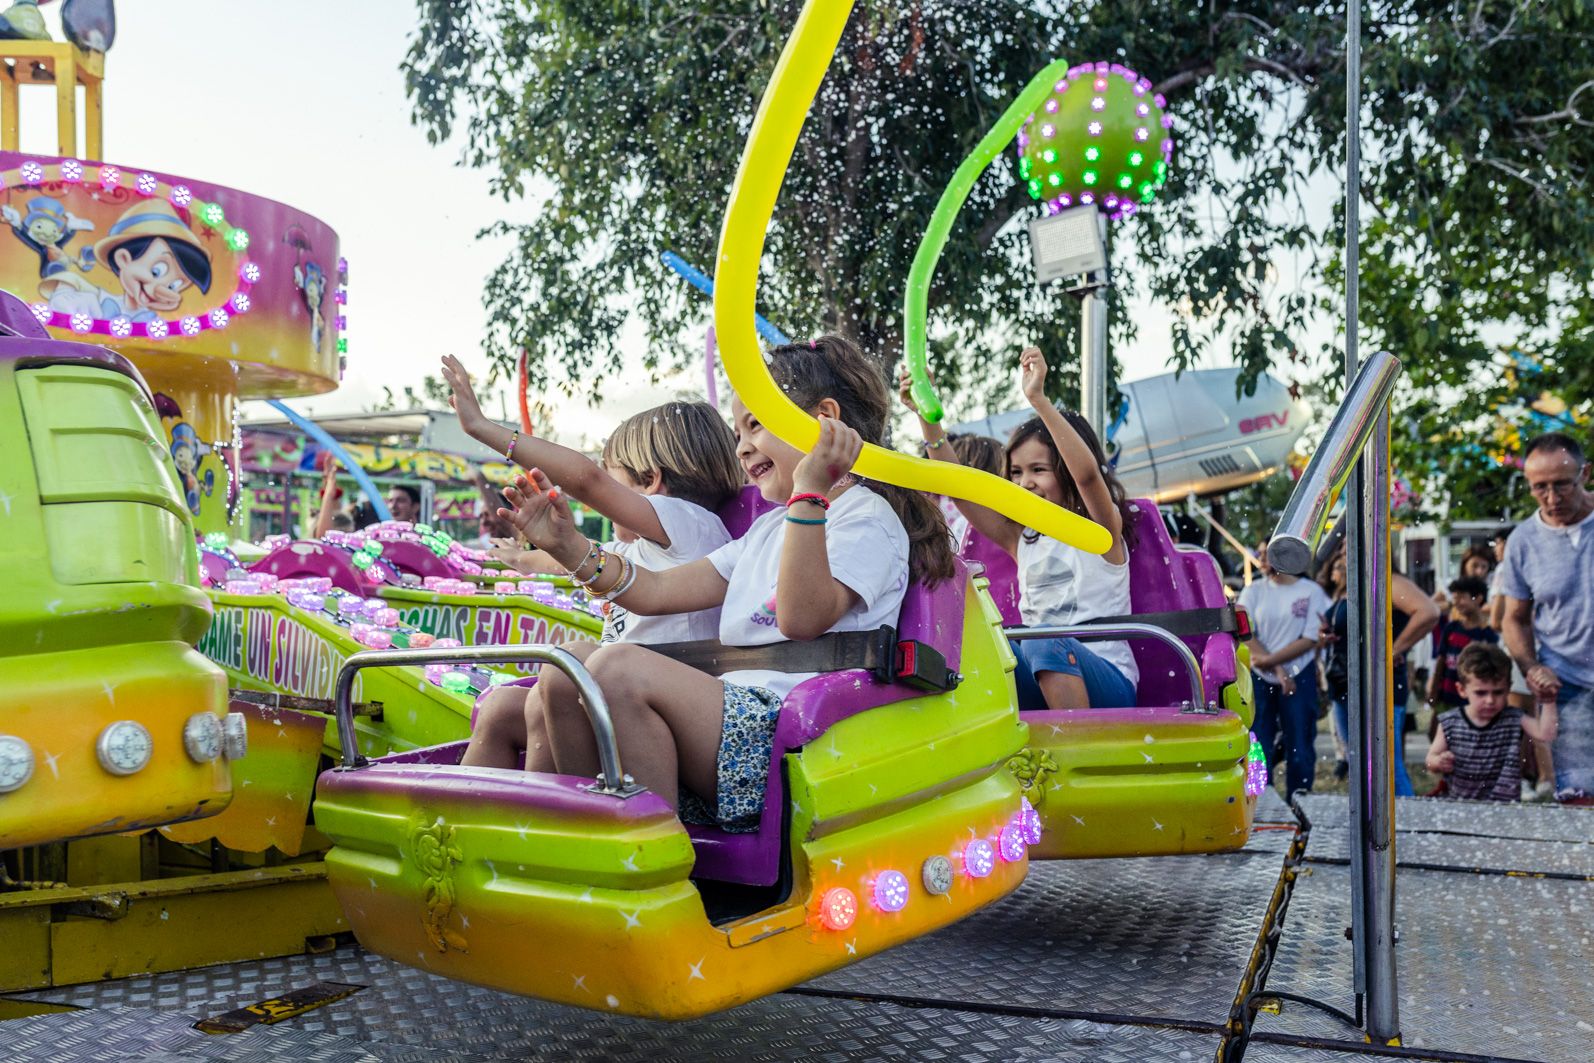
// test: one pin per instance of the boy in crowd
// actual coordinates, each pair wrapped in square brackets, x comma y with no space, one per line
[1465,625]
[1477,745]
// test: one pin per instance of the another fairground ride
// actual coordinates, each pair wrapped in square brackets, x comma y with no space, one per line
[907,789]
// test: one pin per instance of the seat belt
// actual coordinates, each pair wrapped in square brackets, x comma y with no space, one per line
[1216,620]
[878,652]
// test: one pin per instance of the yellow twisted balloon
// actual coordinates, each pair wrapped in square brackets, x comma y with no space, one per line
[763,167]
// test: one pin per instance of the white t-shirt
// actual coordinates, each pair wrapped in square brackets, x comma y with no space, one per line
[868,553]
[693,532]
[1284,612]
[1062,584]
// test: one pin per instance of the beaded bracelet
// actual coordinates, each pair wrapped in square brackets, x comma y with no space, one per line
[935,443]
[603,557]
[809,496]
[593,551]
[804,520]
[509,449]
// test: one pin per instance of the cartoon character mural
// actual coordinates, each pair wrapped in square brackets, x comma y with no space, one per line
[46,230]
[188,450]
[152,254]
[311,280]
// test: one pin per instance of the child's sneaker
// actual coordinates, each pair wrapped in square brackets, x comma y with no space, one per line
[1545,791]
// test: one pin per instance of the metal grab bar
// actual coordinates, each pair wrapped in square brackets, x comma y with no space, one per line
[1301,526]
[591,698]
[1104,632]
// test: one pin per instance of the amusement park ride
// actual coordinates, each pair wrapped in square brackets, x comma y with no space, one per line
[900,799]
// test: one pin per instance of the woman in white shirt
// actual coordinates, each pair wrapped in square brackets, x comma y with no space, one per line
[1056,455]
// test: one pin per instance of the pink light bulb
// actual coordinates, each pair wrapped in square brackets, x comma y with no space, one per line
[1142,109]
[1048,130]
[1098,103]
[1101,85]
[1094,129]
[1142,133]
[146,185]
[110,177]
[157,329]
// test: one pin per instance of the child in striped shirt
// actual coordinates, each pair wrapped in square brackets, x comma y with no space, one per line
[1477,745]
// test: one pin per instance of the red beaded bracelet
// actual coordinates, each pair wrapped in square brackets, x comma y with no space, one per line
[810,496]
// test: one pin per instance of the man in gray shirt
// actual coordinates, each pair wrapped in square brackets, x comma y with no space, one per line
[1548,582]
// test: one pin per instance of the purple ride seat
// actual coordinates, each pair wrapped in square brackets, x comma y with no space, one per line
[933,616]
[1166,578]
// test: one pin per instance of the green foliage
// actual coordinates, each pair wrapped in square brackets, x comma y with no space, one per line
[625,119]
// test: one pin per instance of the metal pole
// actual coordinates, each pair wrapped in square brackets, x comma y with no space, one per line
[1373,824]
[1353,428]
[1093,347]
[1371,703]
[611,778]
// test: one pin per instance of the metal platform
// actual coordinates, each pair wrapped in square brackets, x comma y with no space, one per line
[1135,960]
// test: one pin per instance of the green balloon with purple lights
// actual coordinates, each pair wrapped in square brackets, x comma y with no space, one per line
[1101,137]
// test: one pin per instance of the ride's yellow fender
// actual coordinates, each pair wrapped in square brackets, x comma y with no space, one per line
[765,158]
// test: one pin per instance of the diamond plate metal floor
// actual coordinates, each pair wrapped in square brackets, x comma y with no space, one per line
[1134,960]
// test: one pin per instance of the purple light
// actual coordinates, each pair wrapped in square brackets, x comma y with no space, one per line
[1065,201]
[157,329]
[147,185]
[32,172]
[1142,86]
[1087,198]
[1110,202]
[190,325]
[1010,843]
[1142,109]
[1051,105]
[1029,822]
[1161,101]
[342,296]
[181,196]
[1062,86]
[110,177]
[979,858]
[1048,130]
[43,312]
[891,891]
[121,326]
[1103,67]
[1142,133]
[82,322]
[343,323]
[1128,208]
[1167,121]
[240,303]
[1098,103]
[71,171]
[218,318]
[250,272]
[1094,129]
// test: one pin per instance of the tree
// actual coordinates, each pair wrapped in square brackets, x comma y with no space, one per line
[631,115]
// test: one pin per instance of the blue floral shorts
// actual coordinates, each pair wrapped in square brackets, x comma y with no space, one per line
[747,740]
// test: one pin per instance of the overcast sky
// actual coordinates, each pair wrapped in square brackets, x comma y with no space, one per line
[302,101]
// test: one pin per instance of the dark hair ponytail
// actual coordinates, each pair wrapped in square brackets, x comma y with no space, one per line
[1035,428]
[833,367]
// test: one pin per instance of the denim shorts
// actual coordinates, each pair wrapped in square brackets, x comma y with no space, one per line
[1105,685]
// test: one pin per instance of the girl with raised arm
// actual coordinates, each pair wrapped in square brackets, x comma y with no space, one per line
[1056,455]
[665,472]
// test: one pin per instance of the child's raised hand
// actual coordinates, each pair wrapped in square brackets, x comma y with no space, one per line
[1032,375]
[905,389]
[541,515]
[1443,764]
[831,459]
[463,398]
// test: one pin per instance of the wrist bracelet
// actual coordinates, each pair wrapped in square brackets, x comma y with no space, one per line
[509,450]
[804,520]
[603,557]
[592,552]
[935,443]
[809,496]
[627,577]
